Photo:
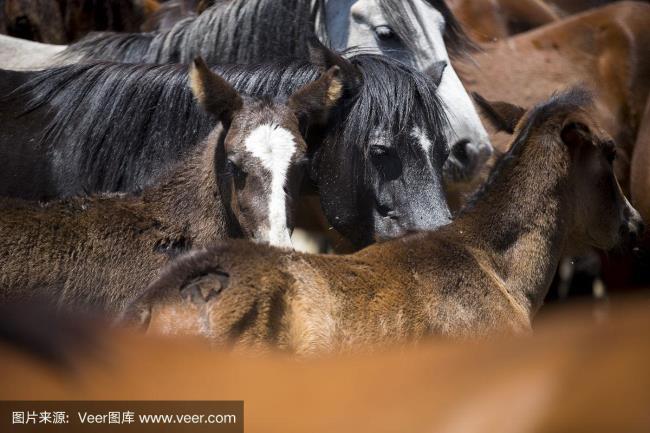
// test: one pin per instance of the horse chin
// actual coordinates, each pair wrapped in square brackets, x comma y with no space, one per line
[386,229]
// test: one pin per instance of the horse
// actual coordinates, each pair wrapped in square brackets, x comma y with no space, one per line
[491,21]
[549,382]
[377,163]
[488,271]
[639,178]
[68,20]
[239,182]
[603,48]
[253,31]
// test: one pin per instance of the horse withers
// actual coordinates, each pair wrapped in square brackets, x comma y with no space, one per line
[488,271]
[98,251]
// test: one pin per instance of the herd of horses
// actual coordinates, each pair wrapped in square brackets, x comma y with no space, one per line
[571,376]
[157,176]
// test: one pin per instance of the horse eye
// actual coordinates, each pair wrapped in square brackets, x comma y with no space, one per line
[379,150]
[609,150]
[384,33]
[236,172]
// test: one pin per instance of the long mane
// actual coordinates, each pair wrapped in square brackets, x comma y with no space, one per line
[248,31]
[115,125]
[237,31]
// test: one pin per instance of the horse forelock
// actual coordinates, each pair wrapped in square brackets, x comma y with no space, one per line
[393,99]
[458,43]
[116,123]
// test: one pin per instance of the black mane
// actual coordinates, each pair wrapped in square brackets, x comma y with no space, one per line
[392,95]
[117,125]
[238,31]
[248,31]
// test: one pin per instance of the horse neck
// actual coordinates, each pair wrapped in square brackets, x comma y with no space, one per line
[521,222]
[266,39]
[189,198]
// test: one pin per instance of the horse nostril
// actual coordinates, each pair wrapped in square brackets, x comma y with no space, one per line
[641,228]
[393,215]
[460,150]
[632,230]
[486,149]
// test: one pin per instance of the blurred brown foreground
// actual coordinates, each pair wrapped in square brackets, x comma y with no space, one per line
[580,372]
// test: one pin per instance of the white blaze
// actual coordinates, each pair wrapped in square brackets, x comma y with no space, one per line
[424,141]
[274,147]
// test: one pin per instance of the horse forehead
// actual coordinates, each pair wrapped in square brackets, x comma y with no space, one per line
[422,138]
[272,144]
[417,133]
[428,14]
[430,25]
[425,12]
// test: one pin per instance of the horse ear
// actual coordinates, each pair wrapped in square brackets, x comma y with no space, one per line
[214,93]
[322,56]
[314,101]
[576,134]
[502,115]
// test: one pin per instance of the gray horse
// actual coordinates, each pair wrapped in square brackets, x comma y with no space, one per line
[420,33]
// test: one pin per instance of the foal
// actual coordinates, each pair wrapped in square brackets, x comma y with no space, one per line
[487,271]
[98,250]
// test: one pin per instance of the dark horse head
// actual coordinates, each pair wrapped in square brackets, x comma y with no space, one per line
[379,167]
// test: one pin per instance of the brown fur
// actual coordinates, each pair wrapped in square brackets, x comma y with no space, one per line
[640,170]
[572,376]
[113,242]
[489,21]
[101,250]
[604,49]
[166,15]
[64,21]
[493,20]
[487,271]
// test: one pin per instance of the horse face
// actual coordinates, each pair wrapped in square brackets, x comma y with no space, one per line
[264,166]
[391,188]
[369,24]
[604,218]
[263,157]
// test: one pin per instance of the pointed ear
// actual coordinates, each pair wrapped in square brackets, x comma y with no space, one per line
[322,56]
[215,94]
[313,102]
[502,115]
